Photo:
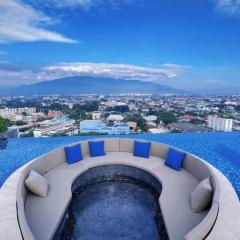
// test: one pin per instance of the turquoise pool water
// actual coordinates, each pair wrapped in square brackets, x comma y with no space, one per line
[220,149]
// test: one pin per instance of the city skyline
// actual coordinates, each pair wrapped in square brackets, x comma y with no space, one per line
[186,45]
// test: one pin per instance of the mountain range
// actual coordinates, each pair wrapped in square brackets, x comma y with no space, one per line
[87,85]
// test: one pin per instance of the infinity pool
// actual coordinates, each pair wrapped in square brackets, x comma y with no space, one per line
[222,150]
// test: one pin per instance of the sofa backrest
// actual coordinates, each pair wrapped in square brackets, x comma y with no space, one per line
[197,167]
[205,226]
[111,144]
[55,158]
[156,150]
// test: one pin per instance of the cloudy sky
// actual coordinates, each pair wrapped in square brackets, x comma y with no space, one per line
[193,45]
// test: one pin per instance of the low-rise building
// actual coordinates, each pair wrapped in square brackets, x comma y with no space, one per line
[132,125]
[96,115]
[150,118]
[115,118]
[186,118]
[187,127]
[97,126]
[55,126]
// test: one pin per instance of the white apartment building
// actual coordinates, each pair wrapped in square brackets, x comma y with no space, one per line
[220,124]
[27,110]
[6,112]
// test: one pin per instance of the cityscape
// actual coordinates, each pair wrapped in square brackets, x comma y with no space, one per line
[115,114]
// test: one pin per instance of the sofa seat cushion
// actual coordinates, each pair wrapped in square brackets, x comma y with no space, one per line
[73,169]
[175,201]
[124,158]
[110,158]
[44,214]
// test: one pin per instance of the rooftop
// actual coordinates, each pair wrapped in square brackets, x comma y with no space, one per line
[219,149]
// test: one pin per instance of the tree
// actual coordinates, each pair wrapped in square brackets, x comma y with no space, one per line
[3,125]
[9,123]
[90,106]
[20,123]
[166,118]
[91,134]
[151,112]
[197,121]
[78,114]
[141,122]
[109,109]
[237,108]
[59,107]
[122,108]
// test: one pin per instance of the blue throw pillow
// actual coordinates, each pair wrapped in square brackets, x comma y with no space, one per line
[175,159]
[73,154]
[141,149]
[96,148]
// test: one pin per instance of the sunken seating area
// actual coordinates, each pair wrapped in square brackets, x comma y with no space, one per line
[25,215]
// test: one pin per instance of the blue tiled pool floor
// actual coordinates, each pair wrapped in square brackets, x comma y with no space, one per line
[222,150]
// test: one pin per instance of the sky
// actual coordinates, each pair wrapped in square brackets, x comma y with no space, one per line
[191,45]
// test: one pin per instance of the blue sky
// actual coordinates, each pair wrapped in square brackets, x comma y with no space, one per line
[187,44]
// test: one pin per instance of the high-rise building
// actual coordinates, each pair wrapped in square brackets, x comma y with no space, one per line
[220,124]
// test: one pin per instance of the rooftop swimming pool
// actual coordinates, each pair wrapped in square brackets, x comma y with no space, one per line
[222,150]
[114,202]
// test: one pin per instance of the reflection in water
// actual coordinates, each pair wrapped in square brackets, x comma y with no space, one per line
[3,143]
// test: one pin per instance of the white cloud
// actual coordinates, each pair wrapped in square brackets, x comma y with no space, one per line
[16,75]
[20,22]
[85,4]
[124,71]
[229,7]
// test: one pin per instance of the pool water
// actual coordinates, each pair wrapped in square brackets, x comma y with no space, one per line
[114,210]
[116,202]
[222,150]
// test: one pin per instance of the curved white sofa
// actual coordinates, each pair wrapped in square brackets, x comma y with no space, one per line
[32,217]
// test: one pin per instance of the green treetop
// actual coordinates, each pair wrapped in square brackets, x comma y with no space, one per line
[3,125]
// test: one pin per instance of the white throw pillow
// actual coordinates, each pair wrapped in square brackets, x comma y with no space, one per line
[37,184]
[201,196]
